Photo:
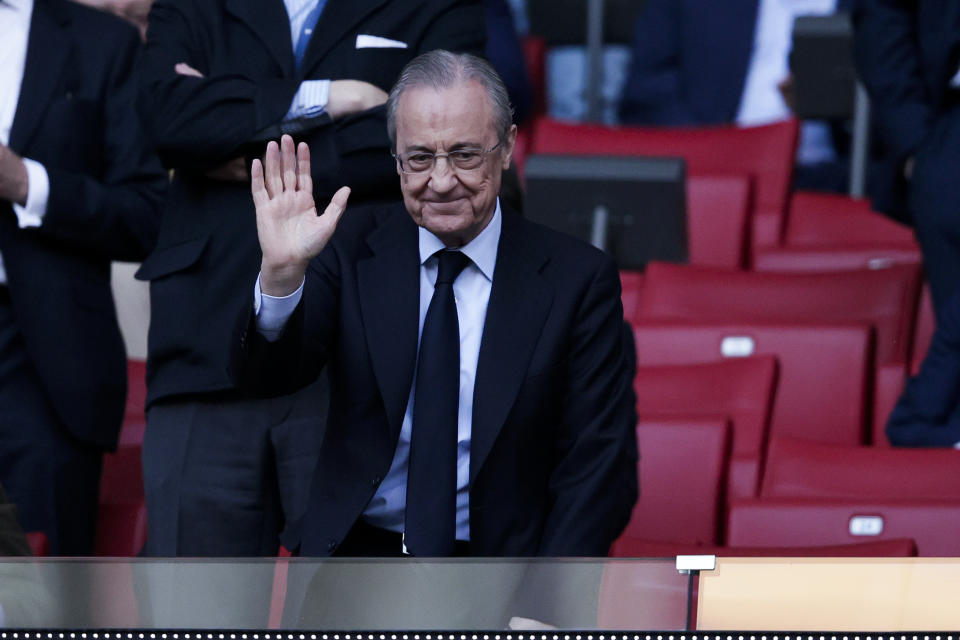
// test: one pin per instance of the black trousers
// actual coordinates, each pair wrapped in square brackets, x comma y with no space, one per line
[934,202]
[223,474]
[51,477]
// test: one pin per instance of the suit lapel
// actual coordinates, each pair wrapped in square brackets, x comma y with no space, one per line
[389,287]
[48,50]
[519,302]
[270,23]
[338,19]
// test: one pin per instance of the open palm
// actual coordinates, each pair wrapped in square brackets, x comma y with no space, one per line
[289,229]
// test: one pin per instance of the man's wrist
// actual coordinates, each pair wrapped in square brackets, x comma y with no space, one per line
[280,280]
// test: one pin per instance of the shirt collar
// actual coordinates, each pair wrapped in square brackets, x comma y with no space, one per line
[482,250]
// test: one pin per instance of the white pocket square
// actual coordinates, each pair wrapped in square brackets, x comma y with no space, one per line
[365,41]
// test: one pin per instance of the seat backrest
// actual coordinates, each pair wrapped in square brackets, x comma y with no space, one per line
[765,153]
[797,468]
[893,548]
[741,389]
[821,391]
[631,286]
[718,215]
[682,472]
[823,219]
[788,522]
[834,258]
[883,298]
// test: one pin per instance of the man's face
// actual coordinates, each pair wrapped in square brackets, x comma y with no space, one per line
[453,203]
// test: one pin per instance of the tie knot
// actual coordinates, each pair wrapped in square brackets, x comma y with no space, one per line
[450,265]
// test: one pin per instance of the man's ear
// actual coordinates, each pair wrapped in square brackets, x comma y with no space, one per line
[508,147]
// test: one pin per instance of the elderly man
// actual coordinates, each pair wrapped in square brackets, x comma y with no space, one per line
[481,399]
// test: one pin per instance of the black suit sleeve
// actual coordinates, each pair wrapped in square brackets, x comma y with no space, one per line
[888,62]
[928,412]
[593,485]
[112,209]
[198,123]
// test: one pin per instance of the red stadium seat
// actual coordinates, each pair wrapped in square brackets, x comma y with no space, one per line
[834,258]
[823,368]
[884,298]
[39,543]
[923,333]
[718,218]
[122,517]
[740,389]
[631,285]
[764,153]
[535,57]
[819,219]
[812,470]
[788,522]
[894,548]
[682,471]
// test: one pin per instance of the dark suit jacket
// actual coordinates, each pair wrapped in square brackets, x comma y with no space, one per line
[928,412]
[906,51]
[690,60]
[552,455]
[207,255]
[75,116]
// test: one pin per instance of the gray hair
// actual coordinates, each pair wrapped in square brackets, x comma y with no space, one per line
[440,69]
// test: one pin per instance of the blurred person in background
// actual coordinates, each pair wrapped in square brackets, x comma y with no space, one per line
[700,62]
[79,187]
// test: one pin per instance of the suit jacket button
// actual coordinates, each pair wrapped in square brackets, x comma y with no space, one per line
[331,545]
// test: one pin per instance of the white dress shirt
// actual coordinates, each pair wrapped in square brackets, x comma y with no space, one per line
[311,97]
[761,102]
[14,29]
[472,293]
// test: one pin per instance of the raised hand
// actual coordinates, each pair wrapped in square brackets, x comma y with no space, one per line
[289,229]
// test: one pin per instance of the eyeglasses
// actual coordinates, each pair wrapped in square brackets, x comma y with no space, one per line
[419,162]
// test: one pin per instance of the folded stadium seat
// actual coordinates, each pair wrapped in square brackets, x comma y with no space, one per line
[923,333]
[631,285]
[787,522]
[797,468]
[884,298]
[834,258]
[822,386]
[122,516]
[718,218]
[823,219]
[740,389]
[765,153]
[682,472]
[39,543]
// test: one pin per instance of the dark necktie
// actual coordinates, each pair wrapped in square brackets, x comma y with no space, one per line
[306,31]
[431,513]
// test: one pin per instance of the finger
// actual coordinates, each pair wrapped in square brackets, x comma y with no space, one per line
[288,159]
[304,180]
[338,204]
[271,170]
[257,188]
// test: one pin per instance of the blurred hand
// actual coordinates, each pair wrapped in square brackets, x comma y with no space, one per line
[13,177]
[288,227]
[353,96]
[186,70]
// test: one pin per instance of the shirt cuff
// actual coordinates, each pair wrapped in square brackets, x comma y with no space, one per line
[38,193]
[310,100]
[271,312]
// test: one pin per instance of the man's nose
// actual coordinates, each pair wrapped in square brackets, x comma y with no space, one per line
[442,176]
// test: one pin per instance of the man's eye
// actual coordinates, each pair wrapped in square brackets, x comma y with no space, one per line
[464,155]
[420,159]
